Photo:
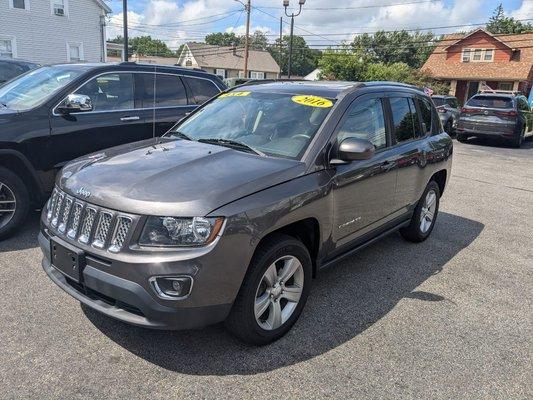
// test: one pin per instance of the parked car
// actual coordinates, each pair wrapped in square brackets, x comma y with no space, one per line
[496,114]
[57,113]
[230,214]
[11,68]
[449,110]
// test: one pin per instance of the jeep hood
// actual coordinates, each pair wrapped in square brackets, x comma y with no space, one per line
[172,177]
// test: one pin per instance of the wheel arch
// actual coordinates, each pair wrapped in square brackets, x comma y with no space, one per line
[306,230]
[19,165]
[440,177]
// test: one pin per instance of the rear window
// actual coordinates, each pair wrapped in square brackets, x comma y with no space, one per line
[438,101]
[490,102]
[202,89]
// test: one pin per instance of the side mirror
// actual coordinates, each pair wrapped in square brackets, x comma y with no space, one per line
[75,103]
[353,149]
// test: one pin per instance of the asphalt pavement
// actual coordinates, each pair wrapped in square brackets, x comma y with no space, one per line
[450,318]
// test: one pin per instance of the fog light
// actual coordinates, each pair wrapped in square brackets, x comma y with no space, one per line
[173,288]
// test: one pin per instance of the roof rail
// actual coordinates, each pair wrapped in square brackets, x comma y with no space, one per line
[263,81]
[497,91]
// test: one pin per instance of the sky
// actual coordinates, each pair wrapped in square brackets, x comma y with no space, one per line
[321,22]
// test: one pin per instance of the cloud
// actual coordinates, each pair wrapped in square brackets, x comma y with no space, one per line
[524,12]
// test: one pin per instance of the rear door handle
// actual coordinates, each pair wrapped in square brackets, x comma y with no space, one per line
[126,119]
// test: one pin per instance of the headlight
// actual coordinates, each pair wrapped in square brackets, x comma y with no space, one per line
[174,231]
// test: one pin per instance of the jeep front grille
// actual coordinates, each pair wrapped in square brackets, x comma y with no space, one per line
[88,224]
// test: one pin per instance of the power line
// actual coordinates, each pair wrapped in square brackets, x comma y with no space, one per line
[356,7]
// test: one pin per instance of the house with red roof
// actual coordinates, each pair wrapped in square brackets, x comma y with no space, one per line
[480,60]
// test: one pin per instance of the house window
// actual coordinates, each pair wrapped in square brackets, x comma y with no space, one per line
[257,75]
[220,72]
[6,48]
[74,52]
[20,4]
[477,55]
[59,7]
[241,74]
[489,55]
[505,86]
[188,63]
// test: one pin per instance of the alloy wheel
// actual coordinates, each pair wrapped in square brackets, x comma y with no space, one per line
[8,205]
[279,292]
[427,213]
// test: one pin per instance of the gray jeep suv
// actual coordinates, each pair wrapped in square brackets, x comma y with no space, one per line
[230,215]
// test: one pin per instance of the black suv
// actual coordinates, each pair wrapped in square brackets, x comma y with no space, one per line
[230,214]
[57,113]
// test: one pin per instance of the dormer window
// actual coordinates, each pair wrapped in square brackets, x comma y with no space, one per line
[477,55]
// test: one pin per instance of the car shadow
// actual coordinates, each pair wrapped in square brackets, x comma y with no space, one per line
[497,142]
[345,300]
[25,237]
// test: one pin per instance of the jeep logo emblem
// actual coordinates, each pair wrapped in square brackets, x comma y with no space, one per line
[83,192]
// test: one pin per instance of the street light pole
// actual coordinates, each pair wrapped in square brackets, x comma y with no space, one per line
[125,23]
[291,16]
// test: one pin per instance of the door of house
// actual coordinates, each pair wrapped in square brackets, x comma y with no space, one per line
[473,88]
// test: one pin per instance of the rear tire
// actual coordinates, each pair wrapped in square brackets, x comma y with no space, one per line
[424,216]
[519,140]
[449,127]
[14,202]
[262,311]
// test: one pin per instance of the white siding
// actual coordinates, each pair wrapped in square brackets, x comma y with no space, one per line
[42,37]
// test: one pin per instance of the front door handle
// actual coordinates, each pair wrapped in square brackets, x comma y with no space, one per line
[126,119]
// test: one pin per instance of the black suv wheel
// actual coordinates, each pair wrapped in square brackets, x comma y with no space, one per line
[273,293]
[14,202]
[424,216]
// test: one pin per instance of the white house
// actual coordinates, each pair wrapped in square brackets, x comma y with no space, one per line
[53,31]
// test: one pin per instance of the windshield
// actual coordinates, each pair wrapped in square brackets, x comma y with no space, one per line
[32,88]
[490,102]
[276,124]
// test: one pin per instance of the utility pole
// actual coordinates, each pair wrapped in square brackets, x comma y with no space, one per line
[291,16]
[280,59]
[125,15]
[248,8]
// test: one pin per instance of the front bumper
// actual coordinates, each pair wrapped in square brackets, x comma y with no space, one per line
[132,300]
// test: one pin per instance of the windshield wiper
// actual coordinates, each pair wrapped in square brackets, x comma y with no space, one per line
[180,135]
[232,144]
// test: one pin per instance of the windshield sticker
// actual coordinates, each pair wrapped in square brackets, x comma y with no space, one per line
[234,94]
[313,101]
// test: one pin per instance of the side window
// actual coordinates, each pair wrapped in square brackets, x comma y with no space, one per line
[202,89]
[110,92]
[365,120]
[404,117]
[169,91]
[427,115]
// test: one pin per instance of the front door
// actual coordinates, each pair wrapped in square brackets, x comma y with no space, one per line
[363,191]
[113,120]
[473,88]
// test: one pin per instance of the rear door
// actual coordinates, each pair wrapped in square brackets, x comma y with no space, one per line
[363,191]
[200,89]
[409,147]
[113,120]
[162,101]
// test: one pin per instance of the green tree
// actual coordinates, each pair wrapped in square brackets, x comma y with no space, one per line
[412,49]
[501,24]
[222,39]
[146,46]
[258,41]
[304,59]
[345,64]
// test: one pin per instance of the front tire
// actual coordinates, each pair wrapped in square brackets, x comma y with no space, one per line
[424,216]
[14,202]
[274,291]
